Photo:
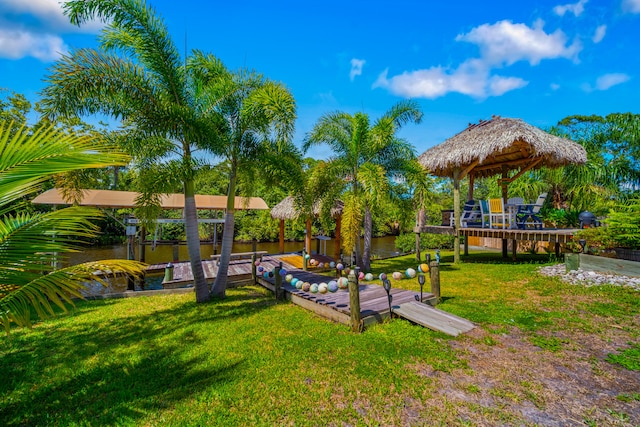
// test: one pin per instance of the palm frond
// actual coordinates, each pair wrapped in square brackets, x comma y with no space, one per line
[56,289]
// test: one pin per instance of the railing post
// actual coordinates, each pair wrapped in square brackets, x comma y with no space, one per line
[434,270]
[254,271]
[354,300]
[278,282]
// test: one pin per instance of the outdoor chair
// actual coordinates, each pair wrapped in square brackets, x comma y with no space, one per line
[484,214]
[528,215]
[497,215]
[471,215]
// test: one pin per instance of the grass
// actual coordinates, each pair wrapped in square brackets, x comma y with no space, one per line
[247,360]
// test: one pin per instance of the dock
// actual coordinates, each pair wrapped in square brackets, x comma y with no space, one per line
[374,303]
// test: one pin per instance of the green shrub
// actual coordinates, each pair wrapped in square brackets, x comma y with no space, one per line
[624,225]
[407,242]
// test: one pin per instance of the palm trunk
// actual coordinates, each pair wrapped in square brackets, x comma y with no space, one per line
[366,252]
[193,242]
[220,285]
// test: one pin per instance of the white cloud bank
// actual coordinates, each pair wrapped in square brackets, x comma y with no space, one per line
[43,38]
[502,43]
[356,68]
[575,8]
[17,44]
[631,6]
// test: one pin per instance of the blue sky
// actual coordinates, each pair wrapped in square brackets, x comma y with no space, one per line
[461,60]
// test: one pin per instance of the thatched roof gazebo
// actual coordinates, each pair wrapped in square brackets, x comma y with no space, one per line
[288,210]
[496,147]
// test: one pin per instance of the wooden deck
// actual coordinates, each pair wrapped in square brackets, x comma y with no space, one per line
[544,235]
[374,304]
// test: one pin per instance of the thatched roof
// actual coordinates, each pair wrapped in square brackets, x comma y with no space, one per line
[287,209]
[484,148]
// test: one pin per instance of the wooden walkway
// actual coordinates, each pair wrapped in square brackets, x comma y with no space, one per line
[544,235]
[374,304]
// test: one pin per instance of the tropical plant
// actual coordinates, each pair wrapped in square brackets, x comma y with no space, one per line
[365,157]
[254,120]
[31,244]
[149,87]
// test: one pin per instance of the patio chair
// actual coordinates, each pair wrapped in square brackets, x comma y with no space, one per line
[497,215]
[484,214]
[471,215]
[527,215]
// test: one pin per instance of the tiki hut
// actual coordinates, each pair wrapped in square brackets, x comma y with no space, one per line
[287,209]
[497,147]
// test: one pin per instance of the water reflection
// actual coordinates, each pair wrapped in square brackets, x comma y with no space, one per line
[380,246]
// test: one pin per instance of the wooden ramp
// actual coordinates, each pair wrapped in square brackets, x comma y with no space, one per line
[433,318]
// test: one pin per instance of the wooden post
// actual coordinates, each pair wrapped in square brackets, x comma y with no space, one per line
[514,248]
[418,247]
[557,251]
[354,300]
[434,270]
[304,260]
[505,197]
[254,269]
[176,252]
[278,288]
[456,215]
[281,236]
[466,245]
[471,183]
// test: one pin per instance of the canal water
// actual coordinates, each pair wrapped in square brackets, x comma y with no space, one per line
[381,247]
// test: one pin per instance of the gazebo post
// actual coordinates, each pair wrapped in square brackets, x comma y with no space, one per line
[281,236]
[505,197]
[469,197]
[456,214]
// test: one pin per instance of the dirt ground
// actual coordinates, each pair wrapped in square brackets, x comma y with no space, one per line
[510,381]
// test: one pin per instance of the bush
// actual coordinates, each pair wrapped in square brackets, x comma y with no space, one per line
[407,242]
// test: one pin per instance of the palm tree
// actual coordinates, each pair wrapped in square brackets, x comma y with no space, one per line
[30,244]
[363,154]
[254,119]
[151,89]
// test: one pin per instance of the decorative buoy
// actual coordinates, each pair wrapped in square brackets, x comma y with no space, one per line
[368,277]
[323,288]
[397,275]
[257,263]
[423,268]
[382,276]
[339,267]
[288,278]
[314,288]
[294,281]
[361,276]
[306,286]
[283,272]
[410,273]
[343,283]
[299,284]
[332,286]
[332,264]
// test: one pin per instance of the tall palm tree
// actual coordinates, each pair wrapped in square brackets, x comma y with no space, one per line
[362,154]
[254,119]
[148,86]
[30,244]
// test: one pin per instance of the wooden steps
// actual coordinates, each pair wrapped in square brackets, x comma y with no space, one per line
[433,318]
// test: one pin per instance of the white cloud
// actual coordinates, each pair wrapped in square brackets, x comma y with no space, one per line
[631,6]
[554,86]
[575,8]
[599,34]
[506,42]
[499,85]
[48,14]
[472,78]
[16,44]
[607,81]
[356,68]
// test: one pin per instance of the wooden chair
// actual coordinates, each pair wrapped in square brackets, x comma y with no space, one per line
[497,215]
[484,214]
[471,216]
[529,214]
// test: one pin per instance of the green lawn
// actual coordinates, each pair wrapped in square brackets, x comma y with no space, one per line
[250,361]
